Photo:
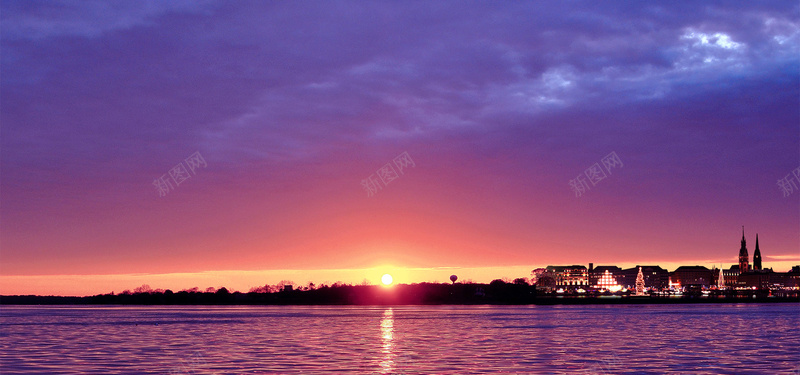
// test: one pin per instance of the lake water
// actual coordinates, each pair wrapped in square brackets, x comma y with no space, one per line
[633,339]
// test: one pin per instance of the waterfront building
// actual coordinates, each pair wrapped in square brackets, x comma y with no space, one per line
[758,280]
[568,277]
[596,274]
[608,282]
[697,276]
[741,276]
[792,278]
[655,277]
[731,276]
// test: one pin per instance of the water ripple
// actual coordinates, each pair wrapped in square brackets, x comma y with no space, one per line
[637,339]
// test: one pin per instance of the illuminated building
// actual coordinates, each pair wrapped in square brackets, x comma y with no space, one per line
[568,277]
[731,276]
[655,277]
[742,276]
[758,280]
[595,274]
[608,281]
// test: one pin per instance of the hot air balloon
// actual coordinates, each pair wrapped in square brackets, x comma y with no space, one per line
[453,278]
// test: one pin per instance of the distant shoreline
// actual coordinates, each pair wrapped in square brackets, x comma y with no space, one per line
[415,294]
[544,301]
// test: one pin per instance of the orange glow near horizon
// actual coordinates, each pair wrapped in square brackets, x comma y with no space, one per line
[244,280]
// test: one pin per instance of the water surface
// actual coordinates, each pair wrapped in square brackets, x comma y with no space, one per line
[628,339]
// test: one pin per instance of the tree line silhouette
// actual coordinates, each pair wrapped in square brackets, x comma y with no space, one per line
[518,291]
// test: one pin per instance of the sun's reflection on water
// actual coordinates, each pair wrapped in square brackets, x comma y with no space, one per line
[387,334]
[426,340]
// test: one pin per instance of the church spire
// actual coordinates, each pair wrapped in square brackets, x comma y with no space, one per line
[757,257]
[744,261]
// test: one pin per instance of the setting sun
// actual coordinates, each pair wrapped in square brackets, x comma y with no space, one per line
[386,279]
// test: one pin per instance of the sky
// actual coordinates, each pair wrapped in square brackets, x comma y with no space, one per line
[196,143]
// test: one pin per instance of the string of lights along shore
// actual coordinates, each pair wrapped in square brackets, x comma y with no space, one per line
[578,279]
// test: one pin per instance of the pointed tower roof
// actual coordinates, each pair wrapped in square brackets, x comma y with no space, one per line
[743,249]
[744,258]
[757,256]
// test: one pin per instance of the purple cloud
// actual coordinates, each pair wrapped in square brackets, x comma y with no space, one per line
[701,98]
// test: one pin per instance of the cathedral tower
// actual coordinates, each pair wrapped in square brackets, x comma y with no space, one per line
[757,257]
[744,262]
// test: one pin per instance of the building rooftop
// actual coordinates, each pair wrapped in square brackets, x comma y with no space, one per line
[563,268]
[691,268]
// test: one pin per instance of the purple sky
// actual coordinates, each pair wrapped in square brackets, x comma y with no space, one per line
[292,105]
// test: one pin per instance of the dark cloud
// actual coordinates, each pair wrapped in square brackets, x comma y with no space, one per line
[109,78]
